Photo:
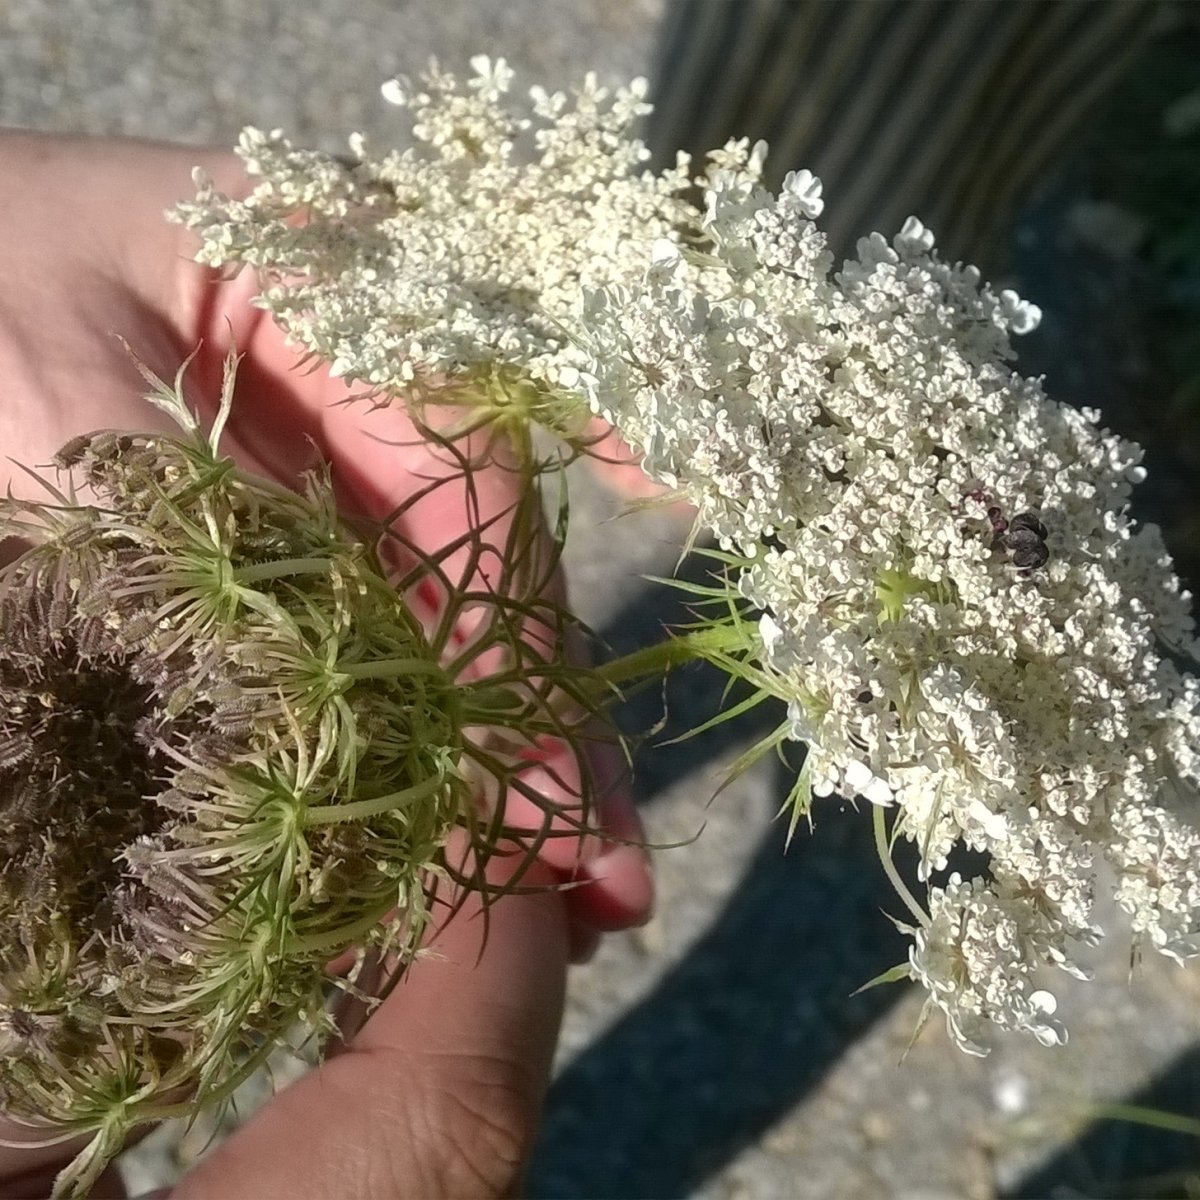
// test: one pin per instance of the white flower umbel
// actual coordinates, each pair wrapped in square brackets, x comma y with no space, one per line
[966,624]
[462,255]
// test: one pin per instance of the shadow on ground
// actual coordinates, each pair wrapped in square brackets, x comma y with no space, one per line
[1129,1158]
[759,1008]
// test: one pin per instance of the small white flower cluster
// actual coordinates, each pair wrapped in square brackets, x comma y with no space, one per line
[465,250]
[857,437]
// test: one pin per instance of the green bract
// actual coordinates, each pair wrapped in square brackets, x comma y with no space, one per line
[228,753]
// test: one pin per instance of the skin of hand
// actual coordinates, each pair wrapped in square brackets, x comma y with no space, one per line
[439,1093]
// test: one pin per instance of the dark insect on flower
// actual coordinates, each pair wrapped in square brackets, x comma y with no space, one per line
[1023,536]
[72,453]
[1025,540]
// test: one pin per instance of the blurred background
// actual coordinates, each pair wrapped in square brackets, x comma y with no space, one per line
[718,1052]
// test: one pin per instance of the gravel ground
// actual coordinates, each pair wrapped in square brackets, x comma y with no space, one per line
[717,1052]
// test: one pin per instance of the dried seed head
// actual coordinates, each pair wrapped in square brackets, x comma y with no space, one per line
[193,818]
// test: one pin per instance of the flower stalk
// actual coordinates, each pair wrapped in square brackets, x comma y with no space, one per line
[679,649]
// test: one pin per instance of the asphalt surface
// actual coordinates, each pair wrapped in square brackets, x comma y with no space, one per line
[718,1052]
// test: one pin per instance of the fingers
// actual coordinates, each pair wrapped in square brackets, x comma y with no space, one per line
[440,1093]
[608,871]
[298,417]
[613,887]
[471,1043]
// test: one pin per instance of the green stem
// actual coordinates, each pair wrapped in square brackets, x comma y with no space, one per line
[389,668]
[673,652]
[258,572]
[355,810]
[889,868]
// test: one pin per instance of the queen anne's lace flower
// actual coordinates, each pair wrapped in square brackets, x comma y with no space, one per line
[230,751]
[977,957]
[857,437]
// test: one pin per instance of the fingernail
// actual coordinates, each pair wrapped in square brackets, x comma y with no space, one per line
[621,891]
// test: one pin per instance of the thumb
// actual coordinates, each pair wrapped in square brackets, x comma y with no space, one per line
[440,1093]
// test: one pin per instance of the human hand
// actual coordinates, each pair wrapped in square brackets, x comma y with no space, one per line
[439,1092]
